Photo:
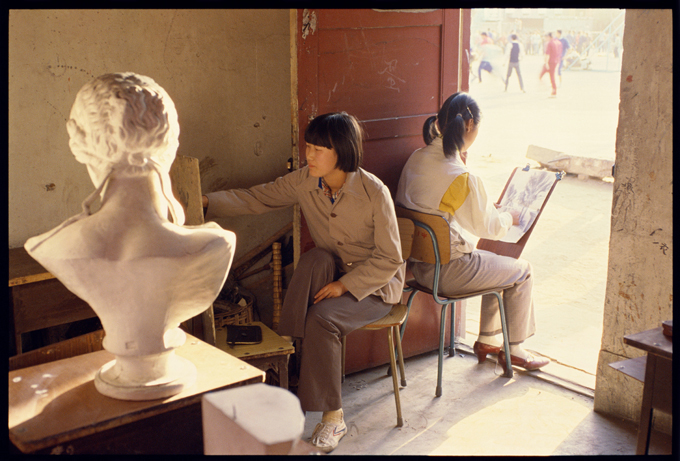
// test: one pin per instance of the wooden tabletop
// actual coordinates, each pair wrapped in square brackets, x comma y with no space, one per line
[271,345]
[24,269]
[653,341]
[56,402]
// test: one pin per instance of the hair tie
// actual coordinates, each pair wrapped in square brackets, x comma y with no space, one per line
[459,115]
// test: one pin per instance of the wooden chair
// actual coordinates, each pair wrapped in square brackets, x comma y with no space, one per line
[431,244]
[392,322]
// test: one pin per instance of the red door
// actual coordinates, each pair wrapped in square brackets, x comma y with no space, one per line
[392,70]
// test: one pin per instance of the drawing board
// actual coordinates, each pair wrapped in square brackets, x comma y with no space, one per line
[527,191]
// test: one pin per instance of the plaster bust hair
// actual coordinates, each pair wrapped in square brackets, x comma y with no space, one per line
[127,123]
[123,120]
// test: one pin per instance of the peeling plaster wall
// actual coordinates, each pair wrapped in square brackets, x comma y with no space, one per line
[228,72]
[639,292]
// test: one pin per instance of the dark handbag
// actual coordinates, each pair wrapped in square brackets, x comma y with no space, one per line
[243,334]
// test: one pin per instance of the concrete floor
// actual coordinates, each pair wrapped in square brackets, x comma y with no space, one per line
[479,413]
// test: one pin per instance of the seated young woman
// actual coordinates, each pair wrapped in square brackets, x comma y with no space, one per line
[436,180]
[353,275]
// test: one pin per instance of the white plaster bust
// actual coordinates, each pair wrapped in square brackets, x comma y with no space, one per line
[142,274]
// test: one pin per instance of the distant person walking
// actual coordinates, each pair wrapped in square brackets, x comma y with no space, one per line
[617,45]
[553,56]
[516,52]
[484,63]
[565,47]
[536,43]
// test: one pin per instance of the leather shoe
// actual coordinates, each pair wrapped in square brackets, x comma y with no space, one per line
[481,350]
[531,363]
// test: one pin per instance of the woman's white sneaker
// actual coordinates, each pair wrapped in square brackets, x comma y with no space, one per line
[327,435]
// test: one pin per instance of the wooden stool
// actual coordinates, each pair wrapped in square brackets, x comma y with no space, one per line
[392,322]
[269,355]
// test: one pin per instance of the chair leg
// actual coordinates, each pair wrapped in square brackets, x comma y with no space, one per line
[440,363]
[395,384]
[403,325]
[400,357]
[506,340]
[408,310]
[452,345]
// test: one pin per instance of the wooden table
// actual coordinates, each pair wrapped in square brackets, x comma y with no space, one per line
[38,300]
[656,372]
[55,408]
[269,355]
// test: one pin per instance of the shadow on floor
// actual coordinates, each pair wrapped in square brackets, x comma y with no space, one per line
[479,413]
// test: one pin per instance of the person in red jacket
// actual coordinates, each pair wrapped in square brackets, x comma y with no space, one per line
[553,56]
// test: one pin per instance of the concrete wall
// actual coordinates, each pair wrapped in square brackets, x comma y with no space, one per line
[228,72]
[640,279]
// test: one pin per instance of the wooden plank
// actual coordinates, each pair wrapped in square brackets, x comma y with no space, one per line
[559,161]
[45,304]
[24,269]
[186,186]
[83,344]
[653,341]
[176,432]
[257,253]
[54,403]
[635,368]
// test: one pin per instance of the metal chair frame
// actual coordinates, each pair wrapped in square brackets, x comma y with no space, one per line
[392,321]
[413,287]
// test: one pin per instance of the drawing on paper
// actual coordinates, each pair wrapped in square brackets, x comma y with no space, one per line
[526,192]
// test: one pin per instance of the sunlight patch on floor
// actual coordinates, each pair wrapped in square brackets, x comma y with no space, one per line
[496,430]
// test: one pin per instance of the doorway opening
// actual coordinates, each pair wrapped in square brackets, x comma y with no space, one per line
[569,247]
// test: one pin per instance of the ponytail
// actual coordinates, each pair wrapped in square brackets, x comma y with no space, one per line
[430,131]
[454,113]
[453,136]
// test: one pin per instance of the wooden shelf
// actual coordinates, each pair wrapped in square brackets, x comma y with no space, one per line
[635,368]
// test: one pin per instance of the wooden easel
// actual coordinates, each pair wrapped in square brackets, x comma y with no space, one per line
[186,186]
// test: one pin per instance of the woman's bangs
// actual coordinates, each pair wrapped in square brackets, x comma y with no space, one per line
[317,134]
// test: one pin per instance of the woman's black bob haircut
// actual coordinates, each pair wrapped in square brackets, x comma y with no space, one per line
[339,131]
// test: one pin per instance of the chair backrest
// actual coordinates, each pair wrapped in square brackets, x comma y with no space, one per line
[406,233]
[423,248]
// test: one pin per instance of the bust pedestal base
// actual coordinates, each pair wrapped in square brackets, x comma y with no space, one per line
[138,378]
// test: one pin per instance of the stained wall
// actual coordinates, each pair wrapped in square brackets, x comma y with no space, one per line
[227,71]
[639,292]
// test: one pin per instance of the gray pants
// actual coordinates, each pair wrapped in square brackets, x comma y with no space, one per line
[321,327]
[514,65]
[482,270]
